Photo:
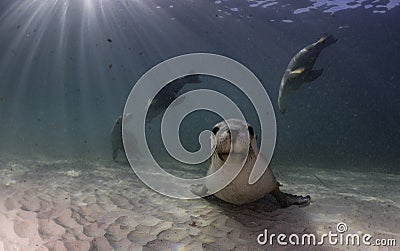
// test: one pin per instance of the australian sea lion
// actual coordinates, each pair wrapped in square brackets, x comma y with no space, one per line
[116,137]
[299,70]
[168,94]
[239,191]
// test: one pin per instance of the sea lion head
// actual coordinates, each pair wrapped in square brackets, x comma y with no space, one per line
[235,145]
[233,136]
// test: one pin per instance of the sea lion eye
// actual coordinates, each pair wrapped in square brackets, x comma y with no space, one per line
[215,130]
[251,131]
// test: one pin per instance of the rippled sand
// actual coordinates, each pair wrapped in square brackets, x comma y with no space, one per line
[78,205]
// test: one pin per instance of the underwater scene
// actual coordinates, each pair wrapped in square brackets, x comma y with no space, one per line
[199,125]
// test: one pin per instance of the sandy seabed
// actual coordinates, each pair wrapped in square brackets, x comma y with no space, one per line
[79,205]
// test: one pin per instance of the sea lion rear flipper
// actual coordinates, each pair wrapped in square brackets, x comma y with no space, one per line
[286,200]
[312,75]
[326,40]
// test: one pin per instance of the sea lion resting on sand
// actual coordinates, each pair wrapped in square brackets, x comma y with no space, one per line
[239,191]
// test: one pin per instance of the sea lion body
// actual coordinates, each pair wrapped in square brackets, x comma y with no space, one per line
[116,138]
[239,191]
[300,70]
[168,94]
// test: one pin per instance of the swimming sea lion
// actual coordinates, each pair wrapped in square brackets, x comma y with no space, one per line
[239,191]
[299,70]
[168,94]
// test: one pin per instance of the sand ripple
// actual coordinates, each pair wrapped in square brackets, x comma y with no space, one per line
[110,209]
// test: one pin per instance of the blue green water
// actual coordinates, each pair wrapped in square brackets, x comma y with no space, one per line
[67,67]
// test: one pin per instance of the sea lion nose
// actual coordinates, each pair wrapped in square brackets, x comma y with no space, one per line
[233,133]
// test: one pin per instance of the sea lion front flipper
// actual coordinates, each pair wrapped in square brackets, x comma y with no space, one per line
[200,190]
[286,200]
[312,75]
[297,71]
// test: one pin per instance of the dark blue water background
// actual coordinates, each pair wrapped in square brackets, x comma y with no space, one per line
[67,67]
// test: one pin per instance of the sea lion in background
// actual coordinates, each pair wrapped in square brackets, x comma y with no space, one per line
[168,94]
[116,137]
[299,70]
[239,191]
